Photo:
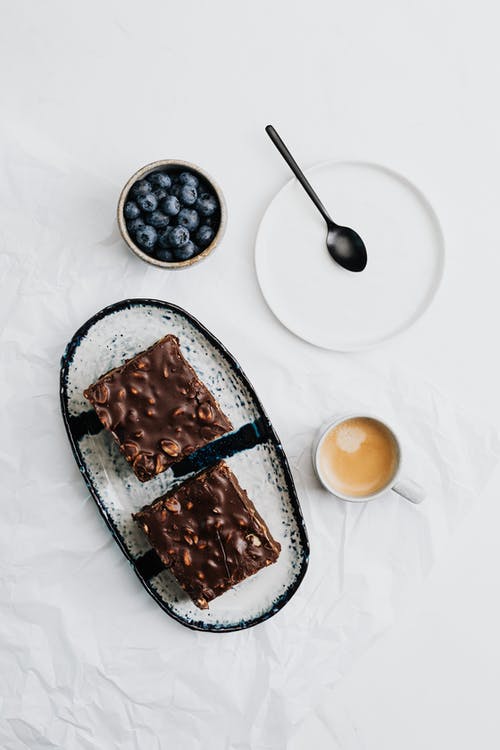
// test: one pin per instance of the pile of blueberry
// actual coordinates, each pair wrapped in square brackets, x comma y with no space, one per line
[172,215]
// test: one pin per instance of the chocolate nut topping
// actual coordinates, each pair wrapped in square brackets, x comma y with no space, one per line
[144,465]
[170,447]
[209,552]
[160,463]
[213,430]
[130,450]
[205,413]
[149,399]
[101,394]
[173,504]
[253,540]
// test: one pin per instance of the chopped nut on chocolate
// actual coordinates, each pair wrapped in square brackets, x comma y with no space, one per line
[130,450]
[172,504]
[253,540]
[170,447]
[101,393]
[205,413]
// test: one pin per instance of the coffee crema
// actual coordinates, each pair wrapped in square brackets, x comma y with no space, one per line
[358,457]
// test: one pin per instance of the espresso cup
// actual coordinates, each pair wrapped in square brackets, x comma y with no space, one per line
[358,458]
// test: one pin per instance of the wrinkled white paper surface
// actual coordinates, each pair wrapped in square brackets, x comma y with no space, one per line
[87,659]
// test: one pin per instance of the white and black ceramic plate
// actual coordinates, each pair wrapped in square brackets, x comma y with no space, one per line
[252,450]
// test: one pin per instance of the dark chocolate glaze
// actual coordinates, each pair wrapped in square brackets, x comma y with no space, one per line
[156,408]
[209,534]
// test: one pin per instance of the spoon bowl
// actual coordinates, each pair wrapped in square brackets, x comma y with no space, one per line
[346,247]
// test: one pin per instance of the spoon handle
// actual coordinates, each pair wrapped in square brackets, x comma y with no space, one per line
[285,153]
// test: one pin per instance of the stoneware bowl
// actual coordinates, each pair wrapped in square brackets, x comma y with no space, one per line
[171,165]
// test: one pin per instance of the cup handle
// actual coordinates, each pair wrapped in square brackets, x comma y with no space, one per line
[410,490]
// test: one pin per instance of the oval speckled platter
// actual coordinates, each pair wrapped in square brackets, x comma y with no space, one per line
[252,450]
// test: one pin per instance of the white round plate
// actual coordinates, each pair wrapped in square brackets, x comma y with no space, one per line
[317,299]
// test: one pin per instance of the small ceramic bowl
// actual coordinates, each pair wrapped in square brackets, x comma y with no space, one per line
[171,165]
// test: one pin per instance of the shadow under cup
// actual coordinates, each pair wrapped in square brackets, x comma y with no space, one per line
[357,458]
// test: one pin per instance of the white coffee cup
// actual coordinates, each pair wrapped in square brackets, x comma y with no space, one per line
[407,488]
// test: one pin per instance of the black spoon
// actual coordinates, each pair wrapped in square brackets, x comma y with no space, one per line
[344,244]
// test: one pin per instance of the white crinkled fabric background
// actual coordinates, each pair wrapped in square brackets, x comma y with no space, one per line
[87,660]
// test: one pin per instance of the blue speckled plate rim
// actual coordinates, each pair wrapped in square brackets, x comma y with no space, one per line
[66,361]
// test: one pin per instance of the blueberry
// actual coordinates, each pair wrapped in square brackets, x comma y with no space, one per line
[170,205]
[157,219]
[134,225]
[163,253]
[188,218]
[188,178]
[178,236]
[206,204]
[146,237]
[142,187]
[163,238]
[204,235]
[186,251]
[147,203]
[160,180]
[160,193]
[187,195]
[131,210]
